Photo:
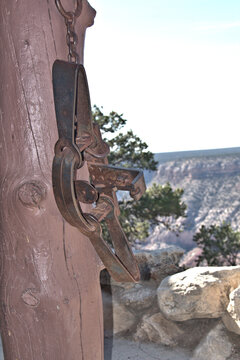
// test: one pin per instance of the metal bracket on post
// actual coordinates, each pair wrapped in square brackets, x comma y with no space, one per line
[80,140]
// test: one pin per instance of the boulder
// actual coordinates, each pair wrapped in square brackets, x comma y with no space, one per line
[117,318]
[138,298]
[230,323]
[123,319]
[159,263]
[157,329]
[154,265]
[201,292]
[231,318]
[126,303]
[214,346]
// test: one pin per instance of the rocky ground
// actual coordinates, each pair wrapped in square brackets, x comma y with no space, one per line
[191,313]
[123,349]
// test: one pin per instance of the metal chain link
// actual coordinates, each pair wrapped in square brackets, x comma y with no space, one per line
[71,36]
[72,40]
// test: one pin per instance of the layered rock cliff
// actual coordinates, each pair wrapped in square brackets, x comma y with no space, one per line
[211,183]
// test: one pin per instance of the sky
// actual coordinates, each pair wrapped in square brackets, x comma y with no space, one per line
[171,67]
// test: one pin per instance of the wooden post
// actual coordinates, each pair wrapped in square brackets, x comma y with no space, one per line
[50,297]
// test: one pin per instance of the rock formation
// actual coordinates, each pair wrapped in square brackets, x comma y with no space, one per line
[201,292]
[211,183]
[196,309]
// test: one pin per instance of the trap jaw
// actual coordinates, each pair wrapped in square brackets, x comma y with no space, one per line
[80,141]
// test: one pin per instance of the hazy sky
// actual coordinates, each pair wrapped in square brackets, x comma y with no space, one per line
[172,67]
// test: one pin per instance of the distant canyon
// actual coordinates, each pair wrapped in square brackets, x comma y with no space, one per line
[211,183]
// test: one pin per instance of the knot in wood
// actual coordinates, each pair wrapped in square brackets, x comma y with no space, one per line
[30,297]
[32,193]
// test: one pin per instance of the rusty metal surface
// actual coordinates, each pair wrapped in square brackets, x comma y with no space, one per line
[80,141]
[106,176]
[71,37]
[85,192]
[68,14]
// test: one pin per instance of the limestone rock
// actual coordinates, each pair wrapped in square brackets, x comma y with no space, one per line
[157,329]
[230,323]
[215,346]
[123,319]
[138,298]
[197,292]
[154,265]
[117,318]
[234,305]
[232,318]
[159,263]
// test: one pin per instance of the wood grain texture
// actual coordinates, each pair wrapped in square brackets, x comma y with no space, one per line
[50,297]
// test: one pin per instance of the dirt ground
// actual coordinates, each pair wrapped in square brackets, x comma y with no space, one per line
[121,349]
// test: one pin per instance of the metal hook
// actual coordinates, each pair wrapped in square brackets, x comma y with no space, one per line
[67,14]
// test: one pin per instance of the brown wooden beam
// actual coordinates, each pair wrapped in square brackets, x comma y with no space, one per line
[50,297]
